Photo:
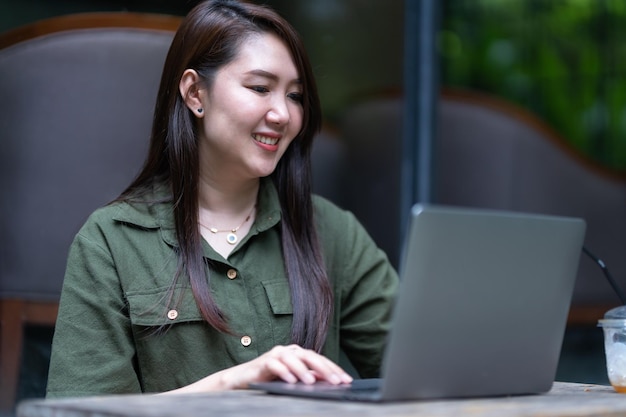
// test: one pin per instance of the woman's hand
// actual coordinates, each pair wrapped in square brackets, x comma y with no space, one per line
[289,363]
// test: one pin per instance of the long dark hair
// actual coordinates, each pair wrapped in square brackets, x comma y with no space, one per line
[209,38]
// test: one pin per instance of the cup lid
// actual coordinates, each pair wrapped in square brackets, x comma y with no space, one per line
[614,317]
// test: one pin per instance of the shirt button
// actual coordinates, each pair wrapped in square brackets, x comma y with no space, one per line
[172,314]
[246,340]
[231,274]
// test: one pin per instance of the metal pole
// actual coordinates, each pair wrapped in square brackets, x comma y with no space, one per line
[421,93]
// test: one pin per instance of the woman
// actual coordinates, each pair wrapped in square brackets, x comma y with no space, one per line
[216,267]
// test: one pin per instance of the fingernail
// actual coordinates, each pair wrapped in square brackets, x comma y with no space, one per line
[334,379]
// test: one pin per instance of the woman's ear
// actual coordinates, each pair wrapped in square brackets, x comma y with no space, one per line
[192,95]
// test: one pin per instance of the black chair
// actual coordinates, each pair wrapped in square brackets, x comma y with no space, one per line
[77,95]
[490,153]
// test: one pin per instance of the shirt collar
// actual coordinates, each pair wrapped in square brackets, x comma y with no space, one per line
[268,206]
[156,211]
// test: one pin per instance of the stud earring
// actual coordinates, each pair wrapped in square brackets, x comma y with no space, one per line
[200,110]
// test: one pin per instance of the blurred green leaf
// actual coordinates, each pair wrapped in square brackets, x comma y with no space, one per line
[561,59]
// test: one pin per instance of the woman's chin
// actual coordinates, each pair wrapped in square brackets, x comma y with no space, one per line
[263,170]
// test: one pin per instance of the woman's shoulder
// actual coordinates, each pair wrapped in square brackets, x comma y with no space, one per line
[327,211]
[336,223]
[350,253]
[105,214]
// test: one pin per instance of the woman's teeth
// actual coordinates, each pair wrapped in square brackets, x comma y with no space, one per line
[266,140]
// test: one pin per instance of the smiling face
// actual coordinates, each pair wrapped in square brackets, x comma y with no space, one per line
[251,112]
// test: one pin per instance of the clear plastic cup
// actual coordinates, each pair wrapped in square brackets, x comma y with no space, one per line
[614,327]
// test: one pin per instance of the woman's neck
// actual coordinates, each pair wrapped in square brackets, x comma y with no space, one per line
[226,213]
[226,200]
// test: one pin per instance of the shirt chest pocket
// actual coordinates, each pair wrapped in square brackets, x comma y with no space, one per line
[278,296]
[151,308]
[280,311]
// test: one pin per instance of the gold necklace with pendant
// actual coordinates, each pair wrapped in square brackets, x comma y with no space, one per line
[231,237]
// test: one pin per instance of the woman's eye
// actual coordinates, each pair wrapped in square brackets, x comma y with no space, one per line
[259,89]
[297,97]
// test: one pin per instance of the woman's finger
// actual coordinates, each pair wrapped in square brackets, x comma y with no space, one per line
[325,369]
[308,366]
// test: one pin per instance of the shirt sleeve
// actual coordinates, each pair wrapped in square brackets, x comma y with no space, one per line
[92,350]
[365,285]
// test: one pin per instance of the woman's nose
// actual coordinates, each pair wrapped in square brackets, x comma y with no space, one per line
[279,112]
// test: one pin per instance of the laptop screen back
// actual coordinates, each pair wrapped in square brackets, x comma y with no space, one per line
[483,303]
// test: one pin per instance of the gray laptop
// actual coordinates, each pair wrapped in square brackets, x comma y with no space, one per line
[481,310]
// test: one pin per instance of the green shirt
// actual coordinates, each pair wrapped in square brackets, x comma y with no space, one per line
[119,273]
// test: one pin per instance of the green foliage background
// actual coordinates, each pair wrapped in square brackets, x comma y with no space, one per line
[565,60]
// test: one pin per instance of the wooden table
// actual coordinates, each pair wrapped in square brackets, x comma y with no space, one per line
[565,399]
